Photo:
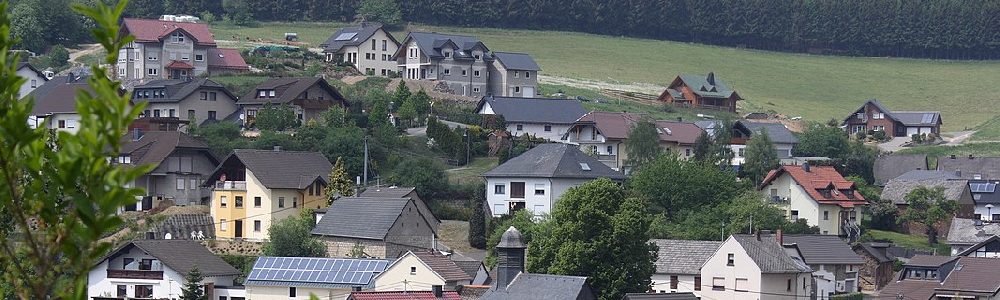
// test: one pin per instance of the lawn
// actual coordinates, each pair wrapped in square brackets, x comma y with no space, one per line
[470,174]
[976,149]
[908,241]
[989,131]
[815,87]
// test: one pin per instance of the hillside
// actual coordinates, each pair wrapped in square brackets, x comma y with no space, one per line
[815,87]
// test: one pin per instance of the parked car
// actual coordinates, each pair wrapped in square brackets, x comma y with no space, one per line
[582,98]
[559,95]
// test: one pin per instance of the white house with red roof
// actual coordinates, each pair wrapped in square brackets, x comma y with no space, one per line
[167,49]
[818,194]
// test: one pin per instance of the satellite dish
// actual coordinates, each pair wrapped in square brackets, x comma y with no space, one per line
[167,236]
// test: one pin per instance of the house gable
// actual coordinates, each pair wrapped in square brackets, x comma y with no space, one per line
[408,273]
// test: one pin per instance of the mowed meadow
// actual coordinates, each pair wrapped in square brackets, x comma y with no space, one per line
[814,87]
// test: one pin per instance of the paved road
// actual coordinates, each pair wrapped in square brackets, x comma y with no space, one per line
[895,144]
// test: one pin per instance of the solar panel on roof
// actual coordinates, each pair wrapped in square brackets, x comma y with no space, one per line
[345,36]
[927,118]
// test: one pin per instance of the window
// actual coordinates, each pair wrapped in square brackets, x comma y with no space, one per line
[211,115]
[177,37]
[204,95]
[256,225]
[173,113]
[527,74]
[193,184]
[239,201]
[34,82]
[795,215]
[465,72]
[826,215]
[520,127]
[222,201]
[223,298]
[261,93]
[281,202]
[740,152]
[413,270]
[295,201]
[475,73]
[373,44]
[199,57]
[180,183]
[310,188]
[548,128]
[143,291]
[803,283]
[185,56]
[212,96]
[731,260]
[697,283]
[156,113]
[718,283]
[173,55]
[62,123]
[447,71]
[256,201]
[151,71]
[517,190]
[789,287]
[477,56]
[384,44]
[878,116]
[291,292]
[499,189]
[447,55]
[121,291]
[517,89]
[222,224]
[515,74]
[878,128]
[673,282]
[191,114]
[475,90]
[540,189]
[611,149]
[270,94]
[152,56]
[687,152]
[742,284]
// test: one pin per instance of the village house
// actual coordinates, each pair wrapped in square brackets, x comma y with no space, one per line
[782,139]
[945,277]
[818,194]
[604,134]
[660,296]
[33,79]
[371,40]
[274,278]
[989,248]
[835,266]
[182,164]
[459,62]
[55,103]
[966,233]
[252,189]
[156,269]
[954,189]
[706,92]
[751,267]
[539,117]
[678,265]
[971,167]
[513,75]
[422,271]
[888,167]
[514,283]
[195,100]
[872,116]
[739,135]
[986,197]
[436,294]
[308,97]
[537,178]
[879,258]
[404,193]
[172,48]
[377,227]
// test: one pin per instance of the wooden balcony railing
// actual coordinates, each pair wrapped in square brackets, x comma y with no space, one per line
[136,274]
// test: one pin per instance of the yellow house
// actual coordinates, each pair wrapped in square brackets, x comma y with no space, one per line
[253,189]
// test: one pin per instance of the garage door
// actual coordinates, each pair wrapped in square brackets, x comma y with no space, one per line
[925,130]
[529,92]
[912,130]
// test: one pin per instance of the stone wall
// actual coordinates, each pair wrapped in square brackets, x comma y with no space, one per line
[342,247]
[234,247]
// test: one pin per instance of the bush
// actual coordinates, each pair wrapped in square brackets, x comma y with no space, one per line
[880,135]
[915,137]
[450,212]
[848,296]
[861,135]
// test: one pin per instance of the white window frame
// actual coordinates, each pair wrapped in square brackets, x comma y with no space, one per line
[177,37]
[152,71]
[499,189]
[180,183]
[222,224]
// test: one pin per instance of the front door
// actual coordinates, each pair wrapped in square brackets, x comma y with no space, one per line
[239,229]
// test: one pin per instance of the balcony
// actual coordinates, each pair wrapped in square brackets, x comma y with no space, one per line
[136,274]
[230,185]
[779,200]
[608,160]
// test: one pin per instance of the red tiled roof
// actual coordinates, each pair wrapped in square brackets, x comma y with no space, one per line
[613,125]
[179,65]
[403,295]
[817,179]
[229,59]
[149,30]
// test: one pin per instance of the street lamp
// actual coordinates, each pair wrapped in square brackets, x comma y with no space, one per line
[468,139]
[989,211]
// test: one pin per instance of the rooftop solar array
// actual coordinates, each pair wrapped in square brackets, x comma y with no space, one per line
[319,270]
[927,118]
[988,187]
[345,36]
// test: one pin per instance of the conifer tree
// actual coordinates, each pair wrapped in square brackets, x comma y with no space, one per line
[339,183]
[192,286]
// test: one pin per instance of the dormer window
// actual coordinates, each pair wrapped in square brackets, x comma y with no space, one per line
[177,37]
[478,56]
[826,193]
[265,93]
[849,194]
[447,54]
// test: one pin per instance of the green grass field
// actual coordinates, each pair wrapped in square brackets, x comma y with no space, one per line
[989,131]
[815,87]
[470,174]
[976,149]
[909,241]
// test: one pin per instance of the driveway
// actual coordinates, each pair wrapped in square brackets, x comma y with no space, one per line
[895,144]
[957,137]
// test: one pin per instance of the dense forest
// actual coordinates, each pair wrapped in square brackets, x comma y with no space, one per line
[950,29]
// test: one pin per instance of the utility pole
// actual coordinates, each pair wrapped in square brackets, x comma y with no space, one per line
[366,161]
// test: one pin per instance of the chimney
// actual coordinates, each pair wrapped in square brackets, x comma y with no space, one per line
[780,237]
[510,257]
[69,79]
[680,119]
[711,78]
[970,156]
[952,156]
[210,290]
[437,290]
[805,166]
[277,148]
[756,235]
[958,173]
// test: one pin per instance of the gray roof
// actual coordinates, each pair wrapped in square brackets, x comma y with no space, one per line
[988,167]
[823,249]
[182,256]
[888,252]
[178,89]
[778,132]
[917,118]
[554,161]
[387,192]
[430,43]
[986,197]
[979,245]
[365,218]
[288,89]
[683,256]
[888,167]
[965,231]
[470,267]
[535,110]
[361,34]
[517,61]
[928,175]
[542,286]
[660,296]
[770,257]
[896,190]
[58,95]
[281,169]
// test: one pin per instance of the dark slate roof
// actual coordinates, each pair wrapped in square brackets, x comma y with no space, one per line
[778,132]
[979,245]
[554,161]
[58,95]
[660,296]
[541,286]
[362,33]
[180,226]
[535,110]
[929,260]
[896,190]
[988,167]
[820,249]
[22,65]
[430,43]
[178,89]
[356,217]
[769,256]
[682,256]
[888,167]
[908,118]
[985,196]
[517,61]
[470,267]
[876,252]
[927,175]
[182,256]
[965,231]
[281,169]
[287,89]
[973,274]
[155,146]
[403,295]
[387,192]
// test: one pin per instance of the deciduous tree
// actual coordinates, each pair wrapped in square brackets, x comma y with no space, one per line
[276,118]
[761,157]
[676,186]
[642,144]
[339,184]
[292,236]
[927,206]
[385,11]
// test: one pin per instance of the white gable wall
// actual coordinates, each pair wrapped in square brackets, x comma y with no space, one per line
[398,277]
[99,285]
[685,283]
[554,134]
